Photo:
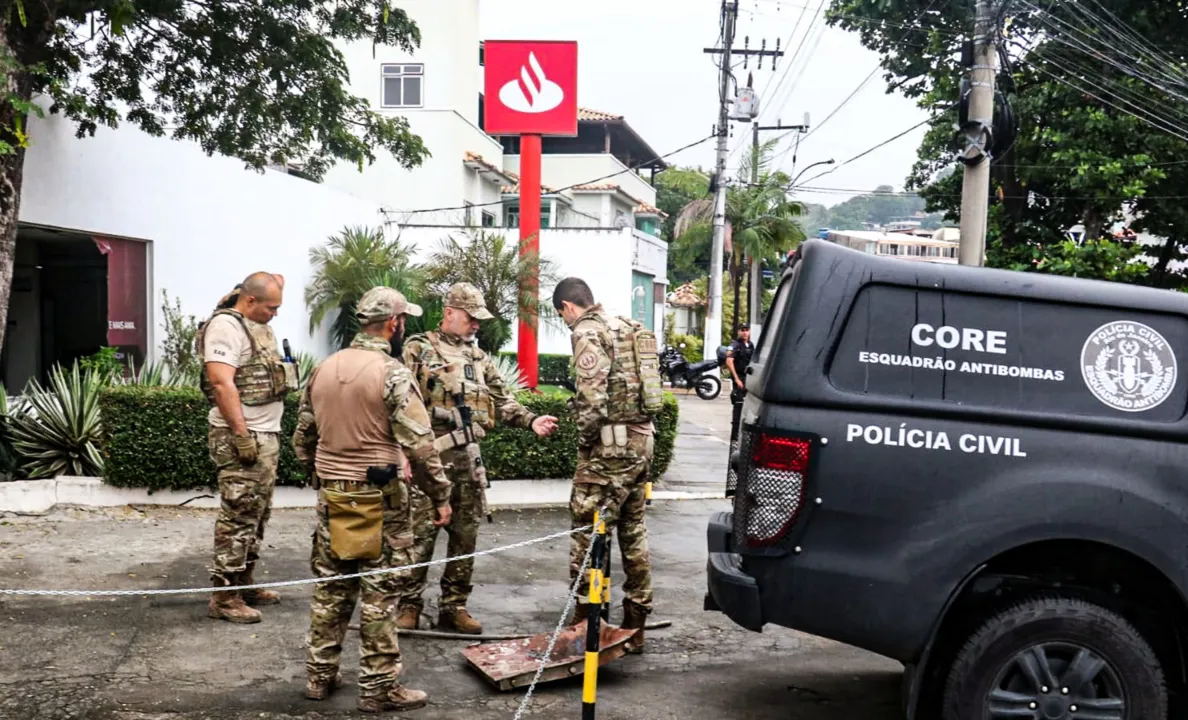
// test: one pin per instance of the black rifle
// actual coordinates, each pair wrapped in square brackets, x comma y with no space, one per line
[478,471]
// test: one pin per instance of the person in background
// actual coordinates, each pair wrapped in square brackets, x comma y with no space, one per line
[738,357]
[245,380]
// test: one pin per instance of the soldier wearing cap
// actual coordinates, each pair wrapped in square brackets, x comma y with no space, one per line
[447,361]
[360,424]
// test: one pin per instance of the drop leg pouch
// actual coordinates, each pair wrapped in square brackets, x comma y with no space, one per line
[356,522]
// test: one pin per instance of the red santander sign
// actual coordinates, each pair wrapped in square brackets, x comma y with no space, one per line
[530,87]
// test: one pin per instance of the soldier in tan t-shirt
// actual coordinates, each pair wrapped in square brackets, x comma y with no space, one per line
[246,381]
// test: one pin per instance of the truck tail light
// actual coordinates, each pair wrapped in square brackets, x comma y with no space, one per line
[772,480]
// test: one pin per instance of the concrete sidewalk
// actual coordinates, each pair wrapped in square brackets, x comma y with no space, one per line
[702,447]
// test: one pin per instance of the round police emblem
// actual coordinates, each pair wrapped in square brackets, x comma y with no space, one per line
[1128,366]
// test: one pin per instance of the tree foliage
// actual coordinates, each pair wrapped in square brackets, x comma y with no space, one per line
[1088,152]
[261,80]
[265,81]
[494,265]
[348,265]
[762,220]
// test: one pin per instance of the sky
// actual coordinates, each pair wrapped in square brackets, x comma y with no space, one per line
[645,59]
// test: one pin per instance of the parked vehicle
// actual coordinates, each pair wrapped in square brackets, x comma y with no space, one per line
[977,472]
[700,376]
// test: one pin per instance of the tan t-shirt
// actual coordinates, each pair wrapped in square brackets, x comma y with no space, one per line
[226,342]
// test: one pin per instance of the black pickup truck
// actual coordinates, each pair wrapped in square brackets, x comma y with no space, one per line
[980,473]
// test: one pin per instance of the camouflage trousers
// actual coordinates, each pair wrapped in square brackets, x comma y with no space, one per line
[246,503]
[466,503]
[334,602]
[617,478]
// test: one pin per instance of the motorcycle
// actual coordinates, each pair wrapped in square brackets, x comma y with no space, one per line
[698,376]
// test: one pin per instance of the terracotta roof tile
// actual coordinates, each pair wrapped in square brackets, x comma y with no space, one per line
[596,115]
[646,209]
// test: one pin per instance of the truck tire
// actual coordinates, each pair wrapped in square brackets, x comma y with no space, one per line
[1046,656]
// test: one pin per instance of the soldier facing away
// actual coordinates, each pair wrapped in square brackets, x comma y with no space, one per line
[360,423]
[245,380]
[447,361]
[618,392]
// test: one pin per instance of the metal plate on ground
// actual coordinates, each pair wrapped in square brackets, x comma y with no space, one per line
[510,664]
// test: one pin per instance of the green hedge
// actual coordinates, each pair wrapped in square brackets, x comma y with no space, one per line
[155,438]
[551,369]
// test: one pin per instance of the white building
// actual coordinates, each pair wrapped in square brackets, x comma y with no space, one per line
[109,223]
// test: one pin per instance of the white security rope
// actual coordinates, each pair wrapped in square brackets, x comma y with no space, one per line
[290,583]
[548,653]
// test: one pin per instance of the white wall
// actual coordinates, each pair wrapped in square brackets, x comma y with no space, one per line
[563,170]
[211,222]
[447,123]
[602,258]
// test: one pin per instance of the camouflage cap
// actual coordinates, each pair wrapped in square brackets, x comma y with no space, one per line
[381,303]
[465,296]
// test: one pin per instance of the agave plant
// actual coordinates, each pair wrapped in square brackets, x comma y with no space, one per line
[157,374]
[509,370]
[59,433]
[305,367]
[10,460]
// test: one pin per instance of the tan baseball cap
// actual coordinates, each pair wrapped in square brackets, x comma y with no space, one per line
[465,296]
[381,303]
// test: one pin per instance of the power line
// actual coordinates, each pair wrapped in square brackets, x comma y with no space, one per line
[882,144]
[630,168]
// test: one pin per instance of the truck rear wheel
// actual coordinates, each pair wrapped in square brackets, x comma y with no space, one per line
[1056,659]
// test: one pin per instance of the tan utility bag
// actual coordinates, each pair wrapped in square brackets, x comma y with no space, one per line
[356,523]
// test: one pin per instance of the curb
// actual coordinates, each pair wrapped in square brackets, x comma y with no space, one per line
[38,497]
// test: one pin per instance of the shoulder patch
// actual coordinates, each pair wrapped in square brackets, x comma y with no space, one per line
[587,360]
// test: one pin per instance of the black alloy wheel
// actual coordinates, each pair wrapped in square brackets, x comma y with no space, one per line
[1056,659]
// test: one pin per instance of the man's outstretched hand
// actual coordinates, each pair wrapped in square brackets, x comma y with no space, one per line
[544,425]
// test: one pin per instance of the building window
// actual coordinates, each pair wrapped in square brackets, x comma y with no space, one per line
[488,219]
[403,86]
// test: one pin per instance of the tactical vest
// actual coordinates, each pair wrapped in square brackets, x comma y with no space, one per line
[456,368]
[265,377]
[634,390]
[354,426]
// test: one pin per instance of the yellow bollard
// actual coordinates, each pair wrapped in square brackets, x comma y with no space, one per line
[598,591]
[648,493]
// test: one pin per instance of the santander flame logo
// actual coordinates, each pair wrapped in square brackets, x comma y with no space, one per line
[532,92]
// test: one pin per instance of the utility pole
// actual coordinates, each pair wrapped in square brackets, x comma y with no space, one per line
[975,189]
[755,286]
[713,318]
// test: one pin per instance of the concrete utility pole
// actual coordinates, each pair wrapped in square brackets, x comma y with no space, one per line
[713,318]
[755,288]
[975,190]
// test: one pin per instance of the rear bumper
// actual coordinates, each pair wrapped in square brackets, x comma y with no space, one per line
[731,590]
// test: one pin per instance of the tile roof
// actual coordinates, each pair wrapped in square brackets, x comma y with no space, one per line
[646,209]
[476,159]
[685,296]
[608,187]
[596,115]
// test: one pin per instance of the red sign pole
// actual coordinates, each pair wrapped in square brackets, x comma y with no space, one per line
[530,193]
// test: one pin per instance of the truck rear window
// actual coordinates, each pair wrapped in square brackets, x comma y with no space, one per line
[775,317]
[1012,354]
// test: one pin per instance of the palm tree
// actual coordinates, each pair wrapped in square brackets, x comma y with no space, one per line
[493,264]
[759,215]
[351,263]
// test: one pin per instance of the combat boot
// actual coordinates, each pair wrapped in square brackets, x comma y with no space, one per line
[228,605]
[256,597]
[634,617]
[317,688]
[408,617]
[459,620]
[397,698]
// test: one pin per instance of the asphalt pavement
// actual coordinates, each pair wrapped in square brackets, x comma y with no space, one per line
[161,658]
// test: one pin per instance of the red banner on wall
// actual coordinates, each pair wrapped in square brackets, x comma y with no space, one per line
[127,295]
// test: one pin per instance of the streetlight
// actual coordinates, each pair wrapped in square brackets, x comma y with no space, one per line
[810,167]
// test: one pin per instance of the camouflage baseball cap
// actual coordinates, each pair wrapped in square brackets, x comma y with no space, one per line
[465,296]
[381,303]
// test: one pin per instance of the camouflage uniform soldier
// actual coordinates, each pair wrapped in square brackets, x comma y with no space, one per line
[245,381]
[445,361]
[618,392]
[361,423]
